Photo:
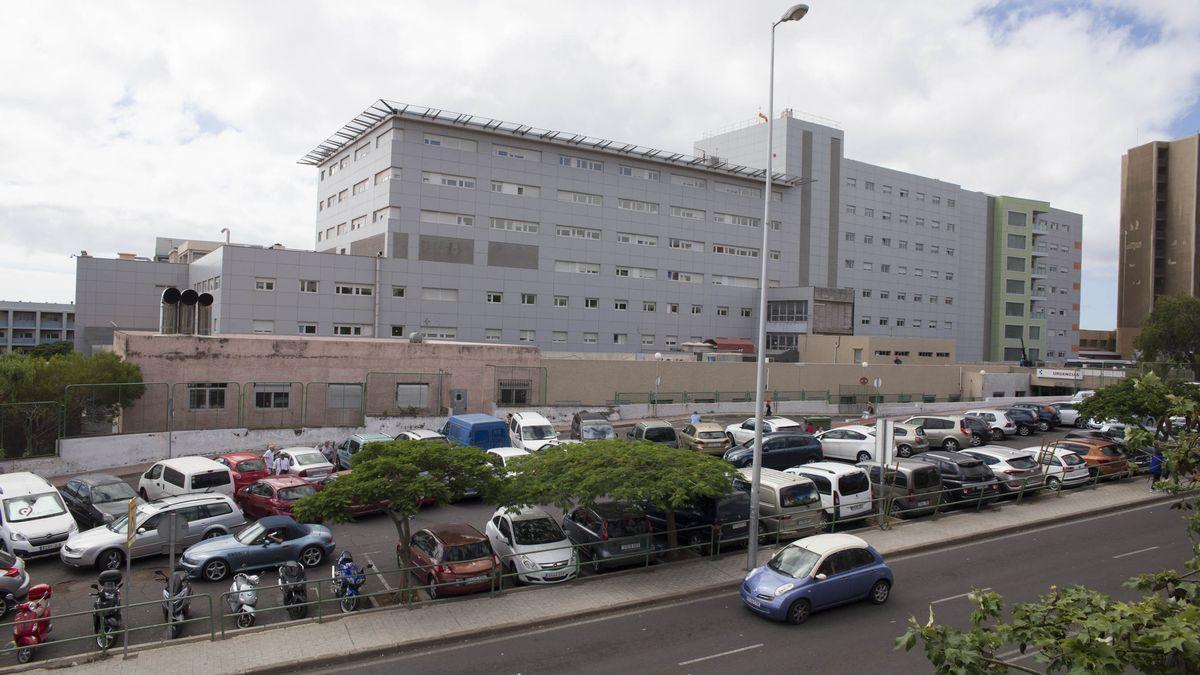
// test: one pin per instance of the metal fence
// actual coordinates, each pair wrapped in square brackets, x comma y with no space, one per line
[390,394]
[334,404]
[122,408]
[29,429]
[519,385]
[850,398]
[272,405]
[205,405]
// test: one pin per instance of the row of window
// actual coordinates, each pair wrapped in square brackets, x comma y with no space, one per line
[903,295]
[902,270]
[621,305]
[931,324]
[902,218]
[451,333]
[869,186]
[902,244]
[905,352]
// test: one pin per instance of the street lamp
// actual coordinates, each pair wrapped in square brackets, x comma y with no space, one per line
[657,379]
[794,13]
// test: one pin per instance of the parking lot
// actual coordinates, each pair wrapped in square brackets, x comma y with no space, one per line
[372,539]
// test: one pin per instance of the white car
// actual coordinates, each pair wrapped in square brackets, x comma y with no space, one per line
[740,433]
[1068,412]
[853,442]
[1080,395]
[308,464]
[999,422]
[420,435]
[531,545]
[1014,469]
[506,455]
[35,521]
[1063,466]
[845,490]
[531,430]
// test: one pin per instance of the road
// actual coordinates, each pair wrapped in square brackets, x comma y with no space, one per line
[717,635]
[371,539]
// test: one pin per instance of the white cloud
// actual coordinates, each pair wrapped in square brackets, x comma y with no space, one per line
[123,122]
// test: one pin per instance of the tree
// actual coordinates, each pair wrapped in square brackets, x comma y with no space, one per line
[1080,630]
[1172,333]
[49,349]
[632,471]
[1146,400]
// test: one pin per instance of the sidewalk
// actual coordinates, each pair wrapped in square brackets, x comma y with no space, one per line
[294,646]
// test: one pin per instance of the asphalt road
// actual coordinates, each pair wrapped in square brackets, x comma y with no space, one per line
[717,634]
[371,539]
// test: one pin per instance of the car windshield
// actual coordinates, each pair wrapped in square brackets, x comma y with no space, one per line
[597,431]
[539,432]
[309,458]
[1110,451]
[111,492]
[32,507]
[798,495]
[794,561]
[975,470]
[660,434]
[291,493]
[925,478]
[626,526]
[710,434]
[1022,463]
[251,465]
[1071,459]
[465,552]
[248,535]
[537,531]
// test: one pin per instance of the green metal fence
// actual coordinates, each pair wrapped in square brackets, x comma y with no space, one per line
[205,405]
[394,394]
[122,408]
[29,429]
[272,405]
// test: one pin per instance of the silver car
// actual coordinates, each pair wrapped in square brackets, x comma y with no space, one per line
[208,515]
[1012,468]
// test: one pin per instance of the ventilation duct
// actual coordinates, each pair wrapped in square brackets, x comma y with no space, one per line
[168,312]
[187,312]
[204,314]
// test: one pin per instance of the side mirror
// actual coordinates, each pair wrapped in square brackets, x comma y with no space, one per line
[95,587]
[141,530]
[821,577]
[508,540]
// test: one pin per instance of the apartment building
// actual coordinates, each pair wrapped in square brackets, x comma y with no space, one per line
[27,324]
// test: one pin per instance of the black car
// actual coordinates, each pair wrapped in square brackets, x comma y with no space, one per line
[96,499]
[1026,420]
[611,534]
[780,450]
[981,431]
[696,523]
[1048,417]
[963,477]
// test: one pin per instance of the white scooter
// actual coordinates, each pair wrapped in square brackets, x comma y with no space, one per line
[243,596]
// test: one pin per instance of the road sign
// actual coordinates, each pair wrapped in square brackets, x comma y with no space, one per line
[130,524]
[878,382]
[863,381]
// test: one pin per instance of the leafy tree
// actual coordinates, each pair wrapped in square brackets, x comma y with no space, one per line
[633,471]
[1081,630]
[1144,400]
[49,349]
[1172,333]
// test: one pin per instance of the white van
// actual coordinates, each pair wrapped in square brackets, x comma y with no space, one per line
[36,522]
[845,489]
[531,431]
[788,506]
[185,475]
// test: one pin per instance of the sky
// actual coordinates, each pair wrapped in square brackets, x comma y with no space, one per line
[126,121]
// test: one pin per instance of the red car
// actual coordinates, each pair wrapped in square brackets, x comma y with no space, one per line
[355,509]
[273,496]
[246,467]
[452,559]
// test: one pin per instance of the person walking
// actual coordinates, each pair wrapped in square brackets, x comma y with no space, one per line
[695,417]
[269,458]
[1157,470]
[809,427]
[283,464]
[327,451]
[768,408]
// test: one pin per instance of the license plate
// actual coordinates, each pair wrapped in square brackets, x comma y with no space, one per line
[630,547]
[738,526]
[923,502]
[754,602]
[856,507]
[476,580]
[552,577]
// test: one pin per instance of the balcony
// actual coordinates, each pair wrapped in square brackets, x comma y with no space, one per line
[1040,251]
[1038,273]
[24,323]
[22,341]
[53,324]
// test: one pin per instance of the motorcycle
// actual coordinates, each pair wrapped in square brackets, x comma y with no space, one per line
[106,610]
[348,579]
[295,593]
[32,624]
[243,596]
[177,598]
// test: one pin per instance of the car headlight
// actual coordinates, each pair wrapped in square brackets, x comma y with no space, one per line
[17,536]
[751,573]
[784,588]
[529,564]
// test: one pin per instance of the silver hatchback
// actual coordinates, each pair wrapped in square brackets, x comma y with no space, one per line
[1016,470]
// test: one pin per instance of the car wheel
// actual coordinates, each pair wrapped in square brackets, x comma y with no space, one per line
[311,556]
[1024,430]
[1080,423]
[1053,484]
[216,570]
[864,456]
[904,451]
[978,440]
[880,592]
[1043,426]
[951,445]
[433,587]
[112,559]
[799,611]
[997,435]
[212,533]
[6,605]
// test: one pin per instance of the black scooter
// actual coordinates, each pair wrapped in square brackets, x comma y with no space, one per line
[295,592]
[106,610]
[177,597]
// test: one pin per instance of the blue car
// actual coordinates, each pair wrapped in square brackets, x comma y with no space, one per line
[816,573]
[267,543]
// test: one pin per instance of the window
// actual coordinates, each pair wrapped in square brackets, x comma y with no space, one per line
[451,142]
[264,284]
[883,321]
[620,305]
[935,200]
[685,277]
[648,306]
[560,301]
[558,336]
[580,198]
[848,264]
[849,236]
[868,239]
[747,312]
[950,227]
[341,229]
[949,276]
[1035,333]
[448,180]
[850,209]
[886,189]
[865,320]
[495,297]
[353,330]
[397,331]
[620,338]
[577,232]
[272,395]
[440,332]
[870,213]
[1016,219]
[673,308]
[920,196]
[1012,332]
[903,218]
[510,225]
[385,213]
[885,268]
[869,185]
[949,300]
[950,203]
[918,297]
[591,303]
[412,395]
[516,153]
[697,309]
[516,189]
[949,251]
[1014,309]
[918,272]
[440,294]
[590,338]
[306,329]
[576,267]
[206,395]
[739,190]
[580,163]
[886,241]
[492,334]
[635,172]
[885,215]
[636,272]
[308,286]
[775,255]
[787,310]
[920,222]
[1015,264]
[1014,286]
[398,291]
[636,205]
[526,336]
[343,195]
[358,222]
[671,340]
[689,181]
[731,219]
[902,270]
[727,249]
[686,244]
[722,311]
[1016,241]
[851,182]
[360,187]
[900,323]
[353,289]
[636,239]
[868,266]
[690,214]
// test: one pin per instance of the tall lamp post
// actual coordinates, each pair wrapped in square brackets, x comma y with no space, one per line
[794,13]
[657,379]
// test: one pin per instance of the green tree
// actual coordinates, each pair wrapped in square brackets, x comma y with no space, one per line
[49,349]
[1144,400]
[1172,333]
[633,471]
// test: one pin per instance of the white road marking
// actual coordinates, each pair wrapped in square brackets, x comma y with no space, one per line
[717,656]
[375,600]
[1140,550]
[960,595]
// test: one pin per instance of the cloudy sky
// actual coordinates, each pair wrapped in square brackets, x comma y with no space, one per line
[123,121]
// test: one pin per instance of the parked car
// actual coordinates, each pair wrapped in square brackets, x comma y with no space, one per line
[1111,435]
[421,435]
[610,534]
[207,515]
[96,498]
[1081,395]
[507,454]
[1026,420]
[477,430]
[1000,424]
[451,559]
[1068,412]
[34,521]
[788,505]
[1103,458]
[706,437]
[530,430]
[1062,467]
[906,488]
[909,439]
[724,518]
[655,431]
[780,450]
[1015,469]
[349,447]
[591,426]
[260,545]
[533,549]
[950,432]
[963,477]
[854,442]
[817,573]
[845,489]
[308,463]
[1047,415]
[246,467]
[740,432]
[14,582]
[273,496]
[364,508]
[184,475]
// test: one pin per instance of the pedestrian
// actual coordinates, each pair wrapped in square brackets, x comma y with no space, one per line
[269,458]
[768,408]
[1157,469]
[809,428]
[695,417]
[327,451]
[283,464]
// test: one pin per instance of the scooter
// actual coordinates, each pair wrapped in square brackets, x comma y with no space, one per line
[106,610]
[177,598]
[295,593]
[243,596]
[32,624]
[348,579]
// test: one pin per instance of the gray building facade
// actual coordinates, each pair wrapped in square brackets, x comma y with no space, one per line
[28,324]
